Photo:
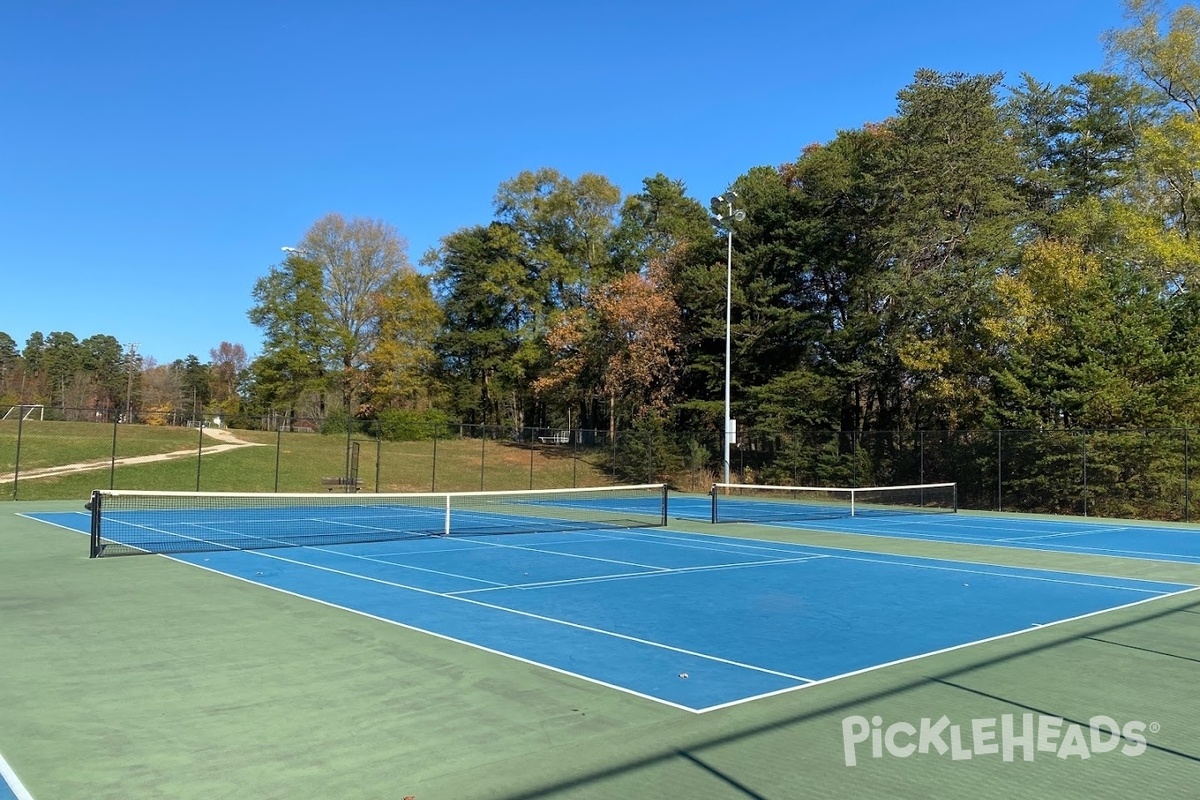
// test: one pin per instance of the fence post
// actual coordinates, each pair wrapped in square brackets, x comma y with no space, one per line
[482,447]
[1000,469]
[199,445]
[378,453]
[650,454]
[796,457]
[278,448]
[613,460]
[1187,475]
[1085,475]
[433,476]
[349,436]
[921,447]
[17,465]
[112,463]
[531,432]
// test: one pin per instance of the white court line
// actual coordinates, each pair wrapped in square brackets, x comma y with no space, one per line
[425,549]
[531,615]
[1140,555]
[957,521]
[898,561]
[398,565]
[725,540]
[1083,550]
[14,783]
[635,536]
[55,524]
[628,575]
[944,650]
[1061,535]
[435,634]
[532,549]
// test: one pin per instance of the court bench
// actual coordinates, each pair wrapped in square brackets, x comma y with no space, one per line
[347,484]
[558,437]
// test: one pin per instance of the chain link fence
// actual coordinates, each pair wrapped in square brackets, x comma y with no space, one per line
[52,453]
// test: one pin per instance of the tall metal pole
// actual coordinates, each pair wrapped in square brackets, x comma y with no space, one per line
[722,206]
[728,326]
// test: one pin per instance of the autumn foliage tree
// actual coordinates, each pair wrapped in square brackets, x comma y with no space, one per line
[623,340]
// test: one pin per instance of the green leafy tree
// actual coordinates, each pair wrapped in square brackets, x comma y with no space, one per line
[1075,141]
[663,227]
[290,309]
[828,227]
[1167,59]
[227,364]
[195,383]
[103,359]
[951,188]
[486,297]
[564,227]
[33,355]
[357,259]
[63,361]
[403,361]
[10,366]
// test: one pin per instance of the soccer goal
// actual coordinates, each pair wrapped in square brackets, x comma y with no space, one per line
[37,412]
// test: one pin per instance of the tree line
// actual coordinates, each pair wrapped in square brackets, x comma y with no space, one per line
[991,256]
[100,378]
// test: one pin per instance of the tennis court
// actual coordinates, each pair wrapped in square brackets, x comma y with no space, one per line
[925,521]
[349,654]
[590,589]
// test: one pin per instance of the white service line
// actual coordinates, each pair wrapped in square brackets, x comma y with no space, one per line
[1060,535]
[529,614]
[628,575]
[652,567]
[399,565]
[899,561]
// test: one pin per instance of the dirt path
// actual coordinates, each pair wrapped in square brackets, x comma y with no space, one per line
[229,439]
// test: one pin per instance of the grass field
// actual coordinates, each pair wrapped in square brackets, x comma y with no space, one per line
[142,677]
[291,462]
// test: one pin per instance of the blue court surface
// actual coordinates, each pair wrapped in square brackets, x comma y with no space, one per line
[695,621]
[1081,536]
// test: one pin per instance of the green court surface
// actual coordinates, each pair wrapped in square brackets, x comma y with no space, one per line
[143,677]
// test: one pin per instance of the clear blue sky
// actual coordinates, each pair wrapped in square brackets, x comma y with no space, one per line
[155,155]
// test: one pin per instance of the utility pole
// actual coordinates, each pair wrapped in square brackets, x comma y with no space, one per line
[129,382]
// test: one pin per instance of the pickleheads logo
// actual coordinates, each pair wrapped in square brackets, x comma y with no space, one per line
[1006,736]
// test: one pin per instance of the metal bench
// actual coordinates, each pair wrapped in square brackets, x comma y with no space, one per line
[346,484]
[558,437]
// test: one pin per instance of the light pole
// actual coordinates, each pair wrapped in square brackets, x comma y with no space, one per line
[722,206]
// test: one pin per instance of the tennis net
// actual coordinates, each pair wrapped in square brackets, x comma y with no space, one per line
[130,522]
[749,503]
